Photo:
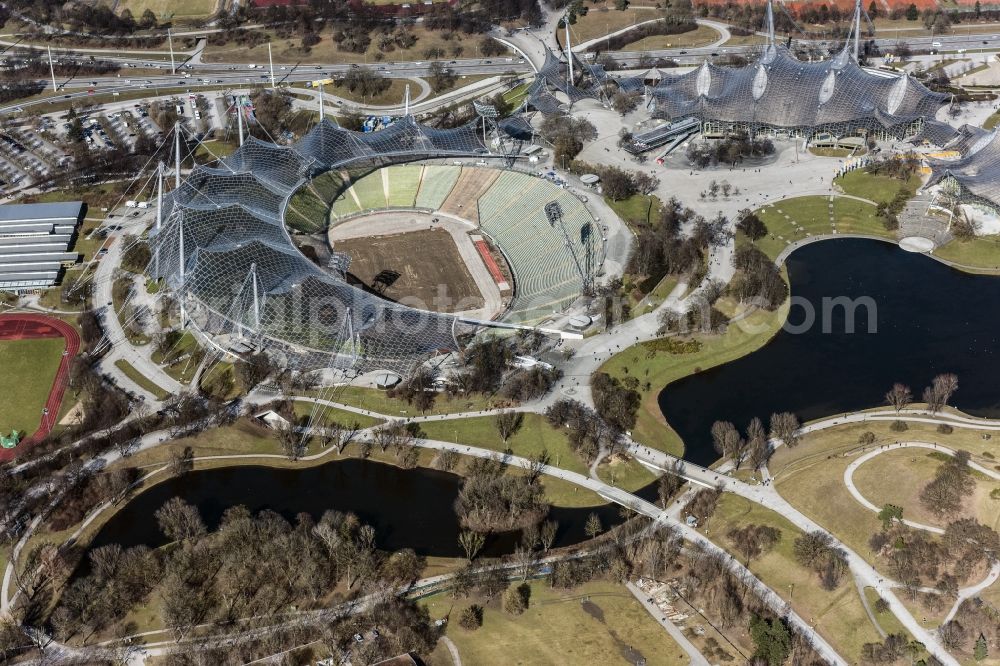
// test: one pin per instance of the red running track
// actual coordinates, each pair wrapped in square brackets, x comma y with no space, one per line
[491,264]
[28,326]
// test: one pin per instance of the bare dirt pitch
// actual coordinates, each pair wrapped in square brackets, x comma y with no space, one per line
[408,260]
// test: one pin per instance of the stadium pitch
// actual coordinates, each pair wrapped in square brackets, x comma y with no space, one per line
[410,258]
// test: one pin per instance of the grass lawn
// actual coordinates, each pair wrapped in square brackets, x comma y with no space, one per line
[557,629]
[911,470]
[167,9]
[378,401]
[534,436]
[981,253]
[222,381]
[830,152]
[394,94]
[661,368]
[811,475]
[890,623]
[95,196]
[210,150]
[879,189]
[815,486]
[342,416]
[53,297]
[288,50]
[701,36]
[630,474]
[795,219]
[184,357]
[29,368]
[140,379]
[244,436]
[992,121]
[637,209]
[838,615]
[653,299]
[603,19]
[516,95]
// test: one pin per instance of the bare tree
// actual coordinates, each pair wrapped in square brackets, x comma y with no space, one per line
[593,525]
[547,534]
[447,459]
[348,435]
[758,446]
[471,542]
[524,559]
[898,397]
[784,426]
[508,423]
[940,391]
[538,463]
[179,521]
[728,442]
[290,439]
[181,462]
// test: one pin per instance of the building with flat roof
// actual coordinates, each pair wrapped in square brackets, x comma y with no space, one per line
[35,241]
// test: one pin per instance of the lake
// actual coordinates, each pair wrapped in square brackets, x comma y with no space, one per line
[409,508]
[929,319]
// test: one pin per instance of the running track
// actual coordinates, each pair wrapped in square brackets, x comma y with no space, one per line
[27,326]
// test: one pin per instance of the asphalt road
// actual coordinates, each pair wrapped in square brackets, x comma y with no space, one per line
[193,73]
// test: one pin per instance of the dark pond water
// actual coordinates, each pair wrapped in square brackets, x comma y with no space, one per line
[408,508]
[928,318]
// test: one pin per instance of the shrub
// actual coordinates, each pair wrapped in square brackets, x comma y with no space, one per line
[472,617]
[516,598]
[945,429]
[899,426]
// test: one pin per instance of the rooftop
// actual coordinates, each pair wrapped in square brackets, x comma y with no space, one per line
[59,210]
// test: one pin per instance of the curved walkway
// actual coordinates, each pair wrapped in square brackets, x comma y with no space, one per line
[456,658]
[851,488]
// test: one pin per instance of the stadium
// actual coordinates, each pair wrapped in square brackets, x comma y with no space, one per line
[779,95]
[227,245]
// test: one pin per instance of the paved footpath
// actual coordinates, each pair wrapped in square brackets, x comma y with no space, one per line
[697,658]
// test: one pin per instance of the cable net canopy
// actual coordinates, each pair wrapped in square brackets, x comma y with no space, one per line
[224,251]
[780,91]
[976,175]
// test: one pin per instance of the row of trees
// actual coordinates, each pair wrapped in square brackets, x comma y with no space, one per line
[936,395]
[731,150]
[618,184]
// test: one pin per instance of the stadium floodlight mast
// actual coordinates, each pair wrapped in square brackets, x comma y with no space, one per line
[159,210]
[239,117]
[569,50]
[177,155]
[170,41]
[489,115]
[52,71]
[271,63]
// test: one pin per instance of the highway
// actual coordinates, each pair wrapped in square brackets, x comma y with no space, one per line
[224,76]
[192,73]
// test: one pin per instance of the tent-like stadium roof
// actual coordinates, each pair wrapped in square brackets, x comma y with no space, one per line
[223,243]
[977,172]
[779,90]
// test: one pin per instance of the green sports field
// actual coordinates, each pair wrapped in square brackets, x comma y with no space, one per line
[28,368]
